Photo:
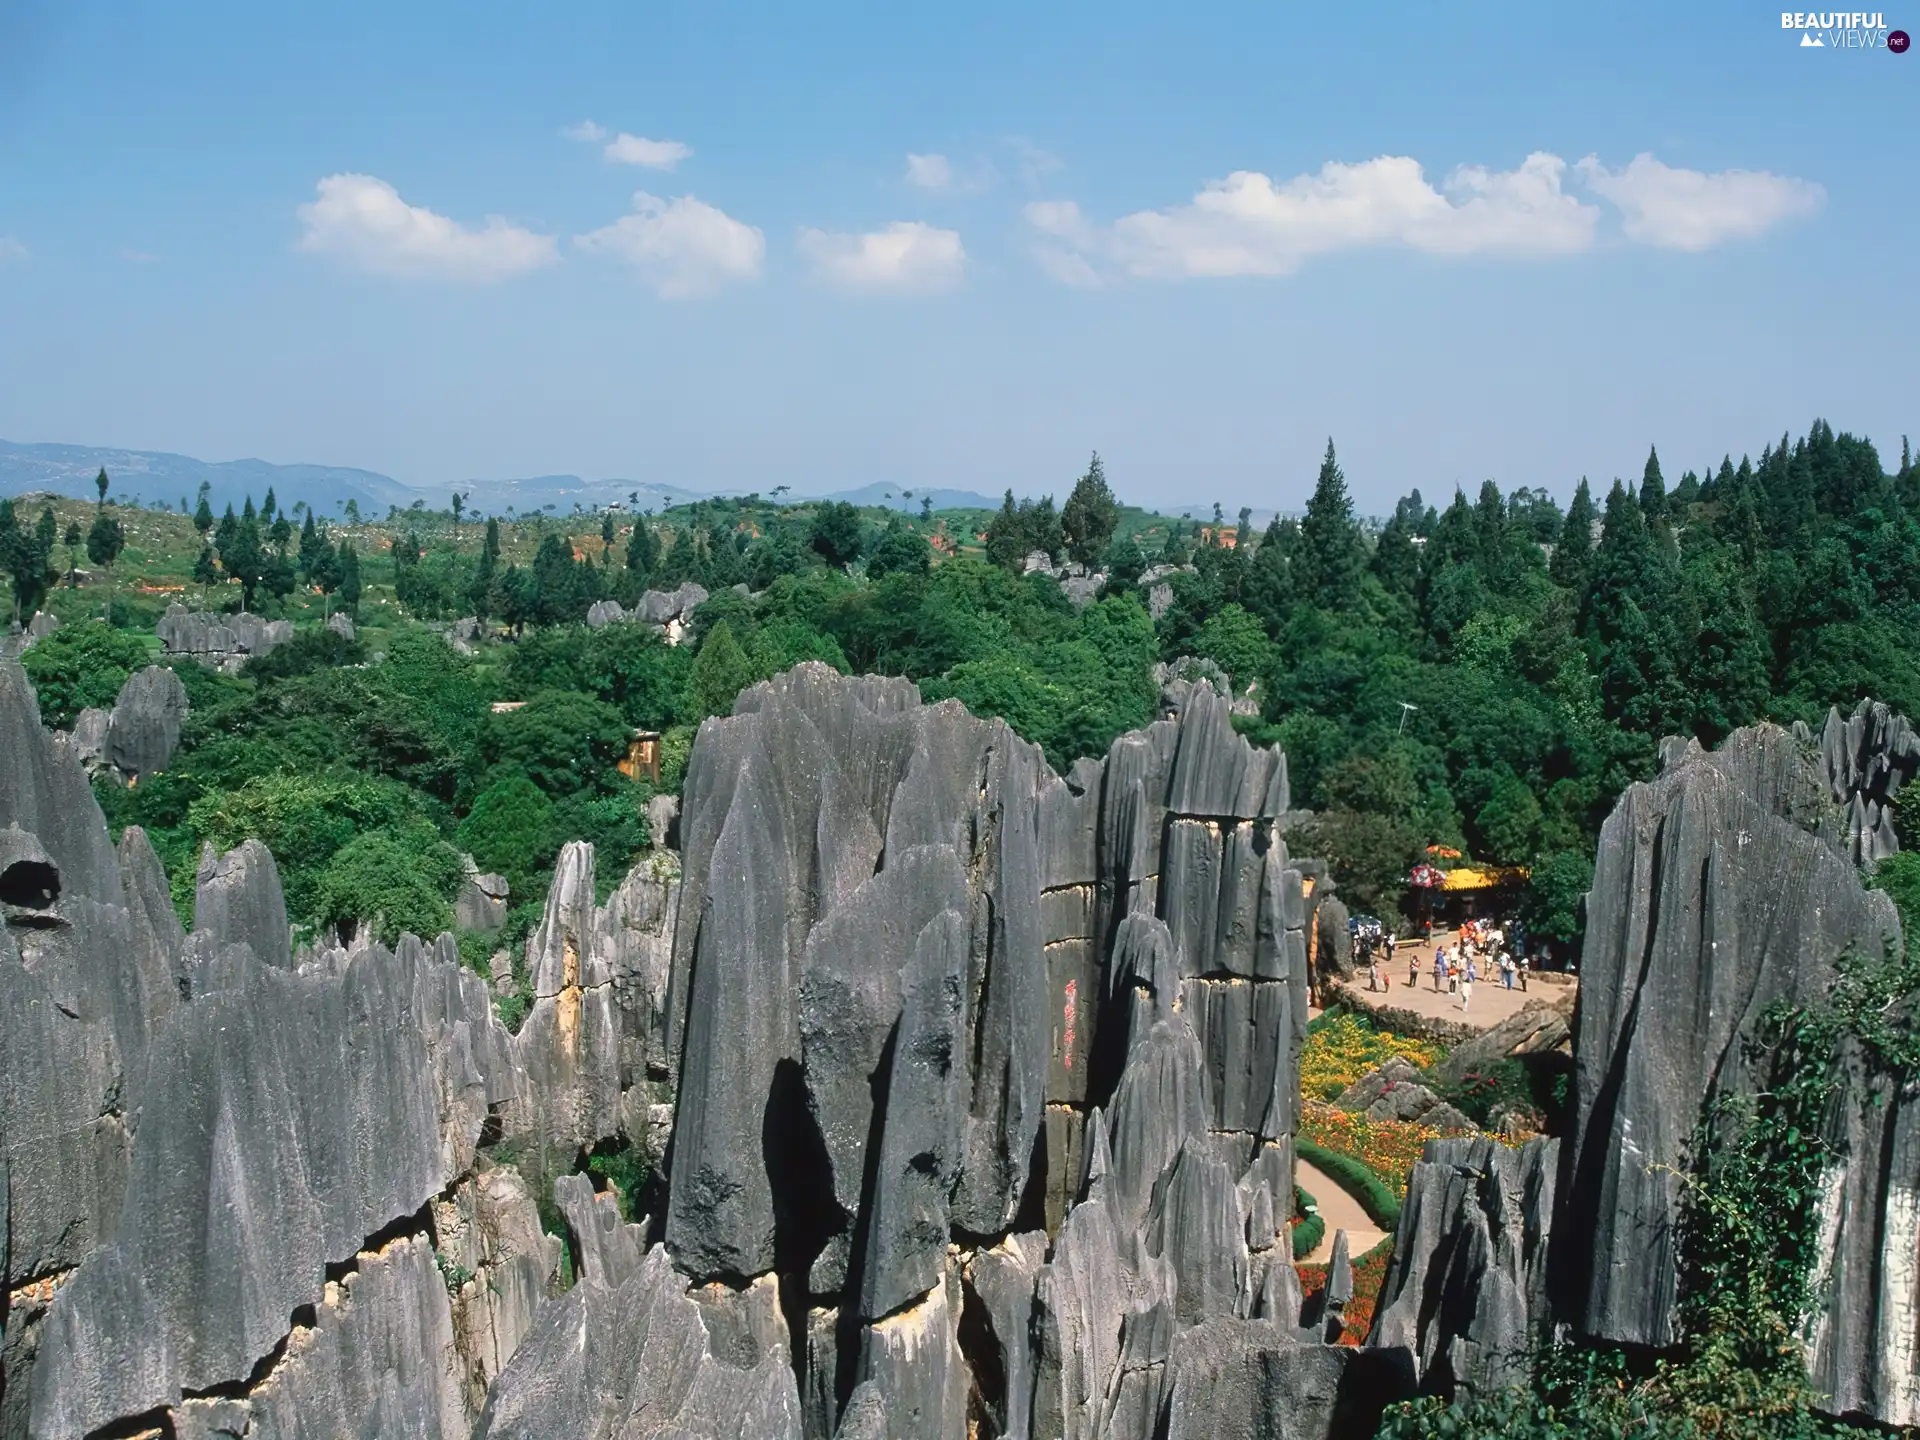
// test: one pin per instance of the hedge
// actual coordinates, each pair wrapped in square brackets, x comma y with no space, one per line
[1380,1203]
[1307,1232]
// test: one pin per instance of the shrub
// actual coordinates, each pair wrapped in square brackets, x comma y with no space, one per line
[1380,1202]
[400,880]
[1308,1229]
[80,667]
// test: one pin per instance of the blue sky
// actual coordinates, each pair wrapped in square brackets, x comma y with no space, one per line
[231,230]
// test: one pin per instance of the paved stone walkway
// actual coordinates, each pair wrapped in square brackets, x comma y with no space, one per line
[1341,1212]
[1492,1002]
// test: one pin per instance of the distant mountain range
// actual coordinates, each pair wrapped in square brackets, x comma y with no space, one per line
[150,476]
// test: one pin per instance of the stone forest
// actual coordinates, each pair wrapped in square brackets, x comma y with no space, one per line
[670,1009]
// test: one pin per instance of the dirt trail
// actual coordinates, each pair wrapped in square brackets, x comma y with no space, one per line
[1341,1212]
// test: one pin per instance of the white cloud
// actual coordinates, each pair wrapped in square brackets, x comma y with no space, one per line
[908,257]
[1694,210]
[929,172]
[364,222]
[1062,220]
[1033,163]
[653,154]
[683,247]
[586,132]
[1249,224]
[11,249]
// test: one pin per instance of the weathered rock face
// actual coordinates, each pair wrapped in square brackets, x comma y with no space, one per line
[219,1164]
[481,905]
[144,729]
[1466,1290]
[341,624]
[222,642]
[1869,757]
[1394,1091]
[910,963]
[1720,887]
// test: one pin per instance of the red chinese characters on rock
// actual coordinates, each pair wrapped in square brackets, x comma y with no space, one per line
[1068,1010]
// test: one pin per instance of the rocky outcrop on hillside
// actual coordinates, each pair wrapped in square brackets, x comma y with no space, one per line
[668,611]
[1869,757]
[20,639]
[143,730]
[220,642]
[1466,1290]
[1721,887]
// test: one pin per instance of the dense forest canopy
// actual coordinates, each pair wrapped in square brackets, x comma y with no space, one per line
[1485,674]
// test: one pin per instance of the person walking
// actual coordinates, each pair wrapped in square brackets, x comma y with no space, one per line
[1506,969]
[1413,967]
[1523,973]
[1466,985]
[1439,967]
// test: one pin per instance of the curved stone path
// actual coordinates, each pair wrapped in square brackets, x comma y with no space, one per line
[1341,1212]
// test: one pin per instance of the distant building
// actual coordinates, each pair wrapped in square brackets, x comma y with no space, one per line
[642,760]
[1227,537]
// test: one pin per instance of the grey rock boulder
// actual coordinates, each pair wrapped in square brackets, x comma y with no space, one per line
[144,729]
[1466,1291]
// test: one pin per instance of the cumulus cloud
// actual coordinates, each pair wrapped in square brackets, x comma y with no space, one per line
[11,249]
[1250,224]
[653,154]
[363,221]
[929,172]
[682,247]
[1696,210]
[586,132]
[908,257]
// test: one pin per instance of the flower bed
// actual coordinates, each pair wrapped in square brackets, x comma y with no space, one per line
[1341,1047]
[1369,1273]
[1386,1147]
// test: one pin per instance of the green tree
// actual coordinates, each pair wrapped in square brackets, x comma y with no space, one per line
[1653,489]
[74,541]
[105,541]
[835,533]
[100,484]
[480,588]
[1236,642]
[1508,824]
[1573,552]
[511,830]
[899,551]
[643,548]
[1088,519]
[203,513]
[399,881]
[1331,554]
[720,672]
[241,554]
[205,572]
[563,742]
[349,578]
[79,667]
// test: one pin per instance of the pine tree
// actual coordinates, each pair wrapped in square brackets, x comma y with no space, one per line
[349,578]
[1653,490]
[269,509]
[480,591]
[1331,552]
[1573,553]
[105,541]
[1633,623]
[1006,537]
[1091,514]
[720,671]
[241,554]
[205,572]
[203,513]
[310,543]
[74,540]
[1396,560]
[100,483]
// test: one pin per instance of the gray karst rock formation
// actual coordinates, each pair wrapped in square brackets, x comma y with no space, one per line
[222,642]
[667,611]
[1720,887]
[144,729]
[955,1097]
[341,624]
[1868,757]
[481,905]
[20,639]
[1394,1091]
[1466,1290]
